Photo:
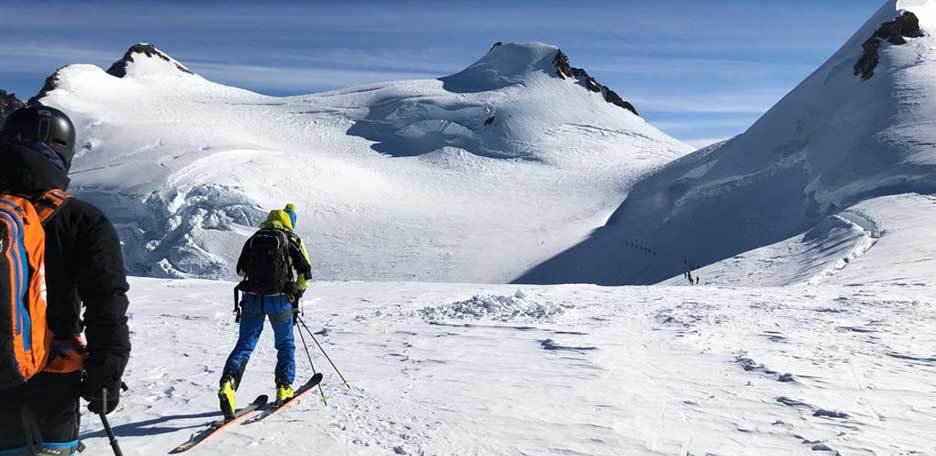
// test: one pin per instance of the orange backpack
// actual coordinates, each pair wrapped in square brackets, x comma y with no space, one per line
[25,337]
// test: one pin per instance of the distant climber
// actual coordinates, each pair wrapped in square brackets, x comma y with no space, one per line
[270,290]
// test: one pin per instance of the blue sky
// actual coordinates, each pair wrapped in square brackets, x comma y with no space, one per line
[699,69]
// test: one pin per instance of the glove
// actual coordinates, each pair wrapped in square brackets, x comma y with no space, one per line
[101,374]
[296,296]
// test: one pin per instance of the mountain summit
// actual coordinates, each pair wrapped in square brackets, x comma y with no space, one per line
[511,63]
[862,126]
[144,59]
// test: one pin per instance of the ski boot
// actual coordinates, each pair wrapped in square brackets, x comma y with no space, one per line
[284,392]
[226,397]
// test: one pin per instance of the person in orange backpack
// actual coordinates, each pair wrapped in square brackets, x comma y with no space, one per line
[82,268]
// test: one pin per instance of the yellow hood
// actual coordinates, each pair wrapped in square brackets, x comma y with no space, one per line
[278,218]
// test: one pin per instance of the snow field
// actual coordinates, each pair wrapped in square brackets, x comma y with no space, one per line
[658,370]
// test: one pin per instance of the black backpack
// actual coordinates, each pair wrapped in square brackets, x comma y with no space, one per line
[266,262]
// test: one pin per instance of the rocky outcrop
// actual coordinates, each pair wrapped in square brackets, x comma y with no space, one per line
[51,83]
[895,32]
[119,68]
[9,103]
[565,70]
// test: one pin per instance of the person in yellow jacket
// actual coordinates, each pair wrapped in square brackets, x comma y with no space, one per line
[270,290]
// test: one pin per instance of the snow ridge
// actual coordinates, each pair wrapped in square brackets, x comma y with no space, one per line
[565,70]
[871,235]
[495,307]
[833,142]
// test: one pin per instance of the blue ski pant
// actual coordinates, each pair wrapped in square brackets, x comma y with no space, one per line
[254,310]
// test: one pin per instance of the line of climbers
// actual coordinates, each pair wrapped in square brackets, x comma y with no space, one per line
[688,266]
[641,247]
[688,273]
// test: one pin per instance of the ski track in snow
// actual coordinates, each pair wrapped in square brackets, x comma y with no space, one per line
[648,370]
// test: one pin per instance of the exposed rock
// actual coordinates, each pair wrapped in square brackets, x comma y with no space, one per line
[565,70]
[119,68]
[51,83]
[495,45]
[830,413]
[9,103]
[895,32]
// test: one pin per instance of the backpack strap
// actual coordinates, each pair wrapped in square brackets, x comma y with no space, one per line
[50,203]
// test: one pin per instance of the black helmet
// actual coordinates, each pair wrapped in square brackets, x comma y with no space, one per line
[43,124]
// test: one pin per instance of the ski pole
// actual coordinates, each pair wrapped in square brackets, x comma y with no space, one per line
[306,347]
[107,428]
[323,352]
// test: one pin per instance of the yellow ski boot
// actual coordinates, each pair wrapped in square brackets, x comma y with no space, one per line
[226,397]
[284,393]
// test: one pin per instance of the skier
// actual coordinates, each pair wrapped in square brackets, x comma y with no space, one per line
[83,267]
[269,290]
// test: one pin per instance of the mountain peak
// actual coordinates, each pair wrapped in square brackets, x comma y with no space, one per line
[507,64]
[144,59]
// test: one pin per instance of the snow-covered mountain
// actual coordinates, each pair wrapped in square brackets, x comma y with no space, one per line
[475,176]
[861,128]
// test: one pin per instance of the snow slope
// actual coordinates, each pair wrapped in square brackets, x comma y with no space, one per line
[472,177]
[882,241]
[441,369]
[835,141]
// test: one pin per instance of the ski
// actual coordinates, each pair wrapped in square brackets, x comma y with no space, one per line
[218,426]
[278,406]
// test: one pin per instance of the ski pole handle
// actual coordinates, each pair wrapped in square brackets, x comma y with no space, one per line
[107,428]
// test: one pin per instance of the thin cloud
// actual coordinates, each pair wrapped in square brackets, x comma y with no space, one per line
[671,67]
[32,55]
[298,80]
[699,143]
[385,60]
[697,122]
[754,102]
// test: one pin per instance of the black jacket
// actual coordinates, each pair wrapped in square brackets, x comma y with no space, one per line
[84,264]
